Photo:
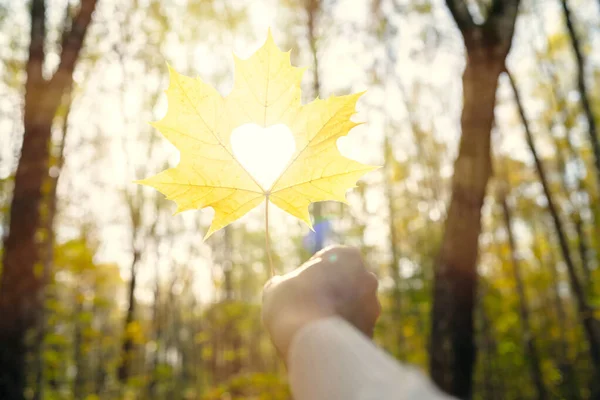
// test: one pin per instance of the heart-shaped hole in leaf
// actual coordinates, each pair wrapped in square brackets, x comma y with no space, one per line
[263,152]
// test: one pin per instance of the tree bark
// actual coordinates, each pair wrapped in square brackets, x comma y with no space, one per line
[22,278]
[452,350]
[531,350]
[586,314]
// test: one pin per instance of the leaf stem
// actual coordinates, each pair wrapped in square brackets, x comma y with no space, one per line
[267,237]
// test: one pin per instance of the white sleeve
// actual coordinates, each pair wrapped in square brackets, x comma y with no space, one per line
[329,359]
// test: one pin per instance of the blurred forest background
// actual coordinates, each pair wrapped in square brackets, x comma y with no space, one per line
[104,294]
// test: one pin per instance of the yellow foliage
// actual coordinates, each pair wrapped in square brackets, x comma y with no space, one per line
[266,91]
[207,353]
[135,333]
[201,337]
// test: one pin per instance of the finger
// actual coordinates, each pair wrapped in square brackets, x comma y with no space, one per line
[371,282]
[272,282]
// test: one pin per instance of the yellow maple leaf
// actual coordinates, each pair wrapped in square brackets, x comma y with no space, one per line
[266,91]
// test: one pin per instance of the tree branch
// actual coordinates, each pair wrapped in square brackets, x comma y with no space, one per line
[502,20]
[586,314]
[72,44]
[38,36]
[36,48]
[461,15]
[582,87]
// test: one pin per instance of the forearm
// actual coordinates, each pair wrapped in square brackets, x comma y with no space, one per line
[329,359]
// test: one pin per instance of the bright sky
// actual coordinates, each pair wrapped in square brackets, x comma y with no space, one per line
[263,152]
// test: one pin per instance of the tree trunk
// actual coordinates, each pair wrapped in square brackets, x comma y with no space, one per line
[312,8]
[390,163]
[22,279]
[576,206]
[100,372]
[227,264]
[586,314]
[78,359]
[582,87]
[531,351]
[593,202]
[565,365]
[134,203]
[151,390]
[581,184]
[47,254]
[489,350]
[393,243]
[127,344]
[452,350]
